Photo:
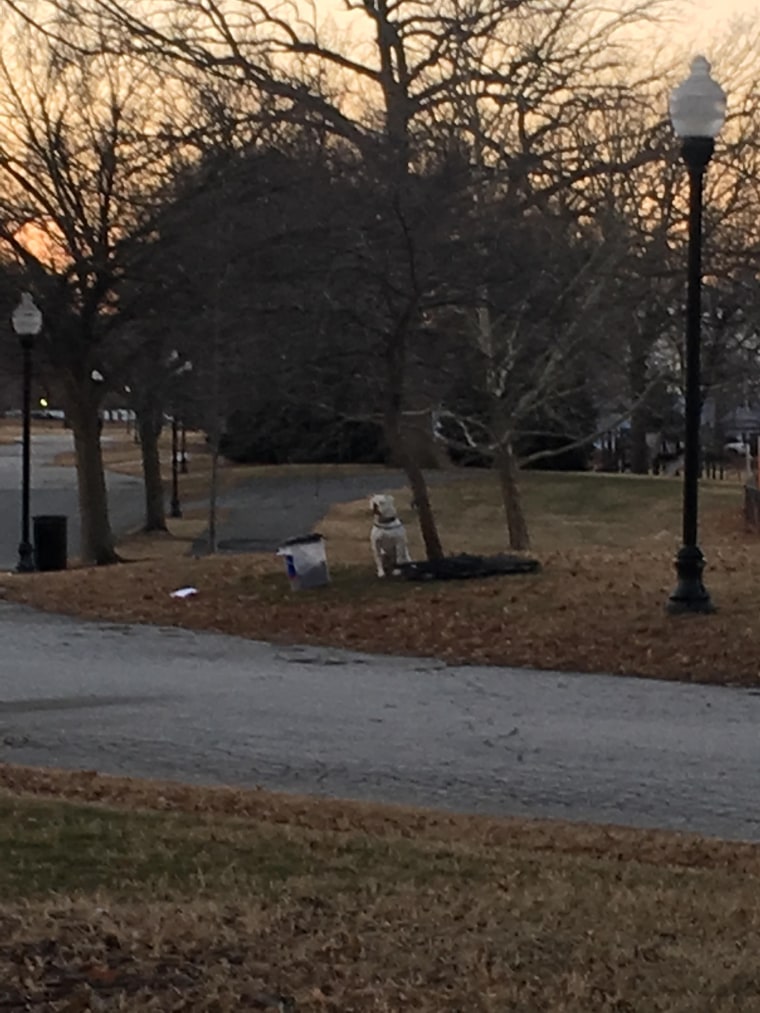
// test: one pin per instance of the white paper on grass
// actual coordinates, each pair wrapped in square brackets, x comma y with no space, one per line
[184,592]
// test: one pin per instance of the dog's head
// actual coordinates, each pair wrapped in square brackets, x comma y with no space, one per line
[383,507]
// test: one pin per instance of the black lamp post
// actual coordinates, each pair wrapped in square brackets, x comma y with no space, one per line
[183,448]
[698,111]
[27,323]
[178,367]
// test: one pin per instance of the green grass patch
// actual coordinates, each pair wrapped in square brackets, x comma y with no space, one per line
[315,906]
[568,509]
[67,848]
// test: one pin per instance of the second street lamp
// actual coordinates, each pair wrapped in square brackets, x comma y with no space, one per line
[178,367]
[183,448]
[27,323]
[698,111]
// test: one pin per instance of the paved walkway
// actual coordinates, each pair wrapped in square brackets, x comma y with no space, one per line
[261,513]
[211,709]
[54,491]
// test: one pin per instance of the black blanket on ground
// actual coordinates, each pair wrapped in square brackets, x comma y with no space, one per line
[466,566]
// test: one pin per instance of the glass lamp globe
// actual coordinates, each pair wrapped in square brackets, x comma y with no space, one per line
[698,104]
[27,317]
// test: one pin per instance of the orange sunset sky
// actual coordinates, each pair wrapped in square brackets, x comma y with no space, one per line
[698,20]
[710,16]
[695,25]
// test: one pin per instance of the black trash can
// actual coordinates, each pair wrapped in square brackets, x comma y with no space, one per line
[50,541]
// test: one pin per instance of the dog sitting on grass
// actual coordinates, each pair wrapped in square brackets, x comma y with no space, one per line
[388,536]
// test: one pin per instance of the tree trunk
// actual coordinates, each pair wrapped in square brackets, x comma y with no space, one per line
[96,537]
[419,487]
[425,516]
[517,527]
[399,447]
[149,428]
[504,458]
[639,417]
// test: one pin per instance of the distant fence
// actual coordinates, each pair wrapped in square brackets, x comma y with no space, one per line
[118,415]
[752,507]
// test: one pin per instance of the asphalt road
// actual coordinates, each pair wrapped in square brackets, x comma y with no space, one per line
[210,709]
[54,491]
[261,513]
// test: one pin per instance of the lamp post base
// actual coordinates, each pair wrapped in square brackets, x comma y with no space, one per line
[175,510]
[690,594]
[25,559]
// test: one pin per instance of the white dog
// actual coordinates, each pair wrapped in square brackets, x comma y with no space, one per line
[388,536]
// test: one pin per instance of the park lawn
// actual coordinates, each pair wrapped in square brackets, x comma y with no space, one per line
[11,431]
[606,545]
[121,454]
[120,894]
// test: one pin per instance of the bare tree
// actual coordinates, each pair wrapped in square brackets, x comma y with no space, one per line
[81,152]
[536,341]
[507,81]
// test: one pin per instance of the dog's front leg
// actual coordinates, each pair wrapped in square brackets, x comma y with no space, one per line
[378,560]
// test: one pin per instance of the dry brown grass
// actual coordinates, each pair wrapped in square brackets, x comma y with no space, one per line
[228,900]
[172,545]
[122,455]
[11,432]
[566,512]
[606,545]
